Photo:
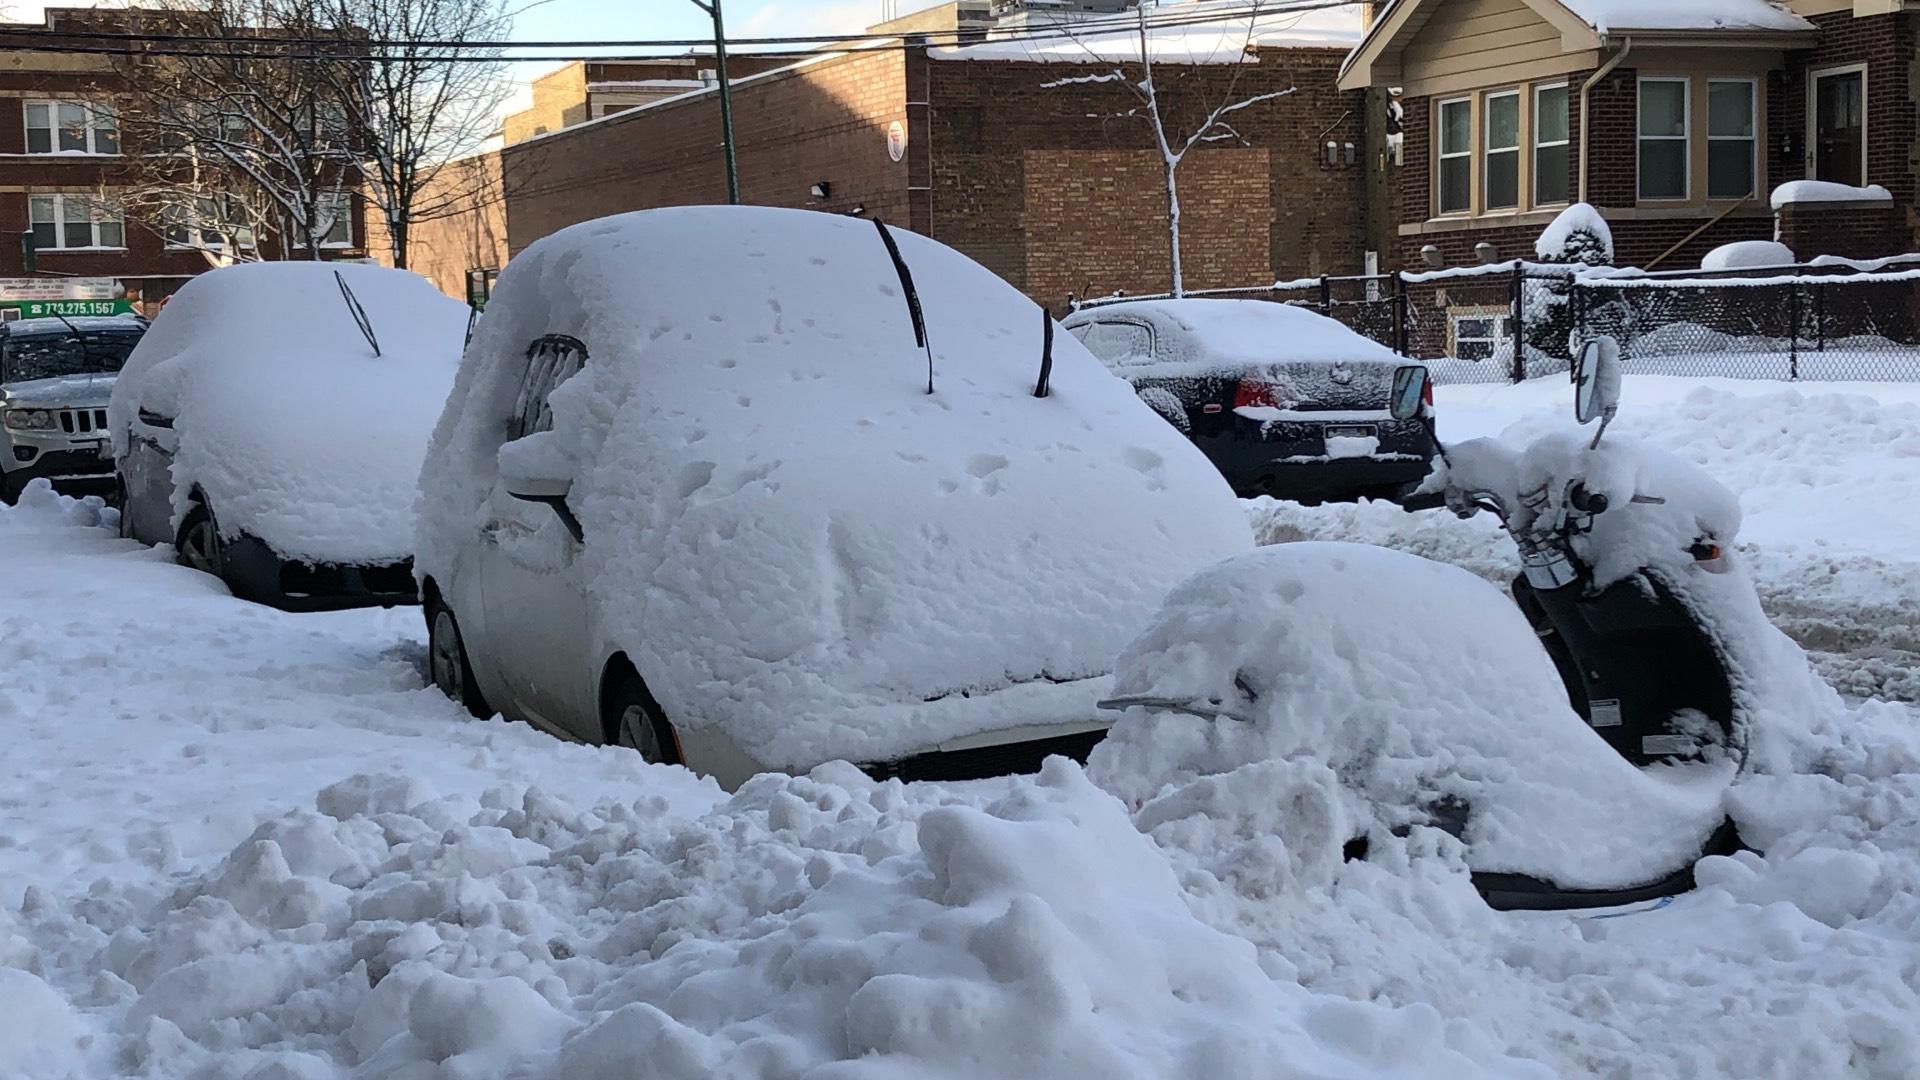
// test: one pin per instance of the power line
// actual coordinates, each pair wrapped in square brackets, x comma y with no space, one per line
[276,48]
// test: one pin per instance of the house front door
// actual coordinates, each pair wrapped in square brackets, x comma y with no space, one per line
[1840,128]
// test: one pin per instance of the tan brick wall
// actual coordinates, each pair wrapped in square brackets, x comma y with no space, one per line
[468,229]
[825,121]
[1097,221]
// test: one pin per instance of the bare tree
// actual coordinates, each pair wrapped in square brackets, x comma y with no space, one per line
[1213,125]
[413,107]
[250,119]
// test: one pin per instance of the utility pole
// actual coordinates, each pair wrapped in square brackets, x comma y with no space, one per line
[712,7]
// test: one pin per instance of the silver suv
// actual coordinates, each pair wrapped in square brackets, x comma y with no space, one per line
[55,377]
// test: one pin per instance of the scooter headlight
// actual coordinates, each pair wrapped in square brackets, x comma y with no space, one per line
[29,420]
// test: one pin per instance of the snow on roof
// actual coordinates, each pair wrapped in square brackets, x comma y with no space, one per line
[1799,191]
[1748,253]
[1617,15]
[794,541]
[1189,32]
[298,434]
[1254,330]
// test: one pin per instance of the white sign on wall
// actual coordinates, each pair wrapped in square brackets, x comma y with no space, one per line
[896,140]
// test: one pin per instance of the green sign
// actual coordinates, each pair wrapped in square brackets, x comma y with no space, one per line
[40,309]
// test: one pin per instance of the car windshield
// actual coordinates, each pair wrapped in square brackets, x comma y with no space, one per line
[47,356]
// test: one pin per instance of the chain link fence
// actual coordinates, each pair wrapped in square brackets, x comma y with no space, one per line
[1514,321]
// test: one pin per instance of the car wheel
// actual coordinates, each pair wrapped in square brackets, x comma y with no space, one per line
[198,543]
[448,664]
[637,723]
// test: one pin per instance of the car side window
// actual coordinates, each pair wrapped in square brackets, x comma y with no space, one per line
[551,360]
[1120,343]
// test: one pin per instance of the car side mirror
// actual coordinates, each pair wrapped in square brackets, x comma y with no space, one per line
[1411,386]
[532,470]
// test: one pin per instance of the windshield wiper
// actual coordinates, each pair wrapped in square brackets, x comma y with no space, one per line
[86,352]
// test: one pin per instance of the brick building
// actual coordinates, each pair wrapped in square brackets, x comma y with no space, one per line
[582,90]
[62,158]
[1052,187]
[1676,122]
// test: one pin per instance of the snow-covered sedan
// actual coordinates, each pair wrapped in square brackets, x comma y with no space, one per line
[753,489]
[1284,401]
[270,426]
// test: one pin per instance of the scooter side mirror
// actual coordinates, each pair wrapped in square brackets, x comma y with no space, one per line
[1409,391]
[1596,380]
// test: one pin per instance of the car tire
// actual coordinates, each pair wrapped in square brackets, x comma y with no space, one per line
[635,720]
[198,545]
[447,662]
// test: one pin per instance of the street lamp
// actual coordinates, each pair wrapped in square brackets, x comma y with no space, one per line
[712,7]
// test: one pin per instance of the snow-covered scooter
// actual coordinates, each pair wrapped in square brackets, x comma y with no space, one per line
[1591,772]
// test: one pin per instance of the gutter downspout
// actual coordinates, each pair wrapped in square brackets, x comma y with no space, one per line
[1626,46]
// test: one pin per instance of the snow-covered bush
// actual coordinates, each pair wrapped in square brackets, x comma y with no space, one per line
[1578,237]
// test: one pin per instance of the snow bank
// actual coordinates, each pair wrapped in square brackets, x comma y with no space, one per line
[1799,191]
[1553,242]
[1414,682]
[1748,253]
[895,931]
[788,535]
[1187,32]
[295,430]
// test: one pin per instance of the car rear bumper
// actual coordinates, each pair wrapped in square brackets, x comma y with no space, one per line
[1321,481]
[73,472]
[256,572]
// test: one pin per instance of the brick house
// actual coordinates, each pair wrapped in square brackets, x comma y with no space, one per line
[1050,187]
[1675,119]
[62,157]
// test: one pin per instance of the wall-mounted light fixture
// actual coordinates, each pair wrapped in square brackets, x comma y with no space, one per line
[1430,255]
[1486,253]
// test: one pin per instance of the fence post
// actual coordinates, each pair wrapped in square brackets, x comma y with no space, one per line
[1400,312]
[1326,296]
[1793,331]
[1517,333]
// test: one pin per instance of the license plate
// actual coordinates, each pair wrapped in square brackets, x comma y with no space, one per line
[1350,431]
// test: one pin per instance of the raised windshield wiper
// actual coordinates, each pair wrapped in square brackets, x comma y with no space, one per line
[86,352]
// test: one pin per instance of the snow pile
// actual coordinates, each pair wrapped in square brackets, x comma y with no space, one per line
[1742,254]
[1184,32]
[809,921]
[1415,683]
[789,536]
[1826,191]
[296,431]
[1576,234]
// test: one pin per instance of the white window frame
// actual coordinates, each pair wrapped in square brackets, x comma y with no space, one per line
[1500,330]
[1440,156]
[1752,138]
[345,220]
[1811,156]
[93,111]
[1487,150]
[60,222]
[1685,139]
[1538,145]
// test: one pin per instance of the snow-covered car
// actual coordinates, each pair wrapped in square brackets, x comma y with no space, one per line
[1283,401]
[271,424]
[55,377]
[709,486]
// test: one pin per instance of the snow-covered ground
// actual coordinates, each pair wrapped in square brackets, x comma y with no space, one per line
[1828,476]
[242,844]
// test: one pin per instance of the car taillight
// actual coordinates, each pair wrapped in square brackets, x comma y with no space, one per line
[1256,393]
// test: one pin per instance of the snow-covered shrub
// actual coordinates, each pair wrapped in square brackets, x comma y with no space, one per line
[1577,238]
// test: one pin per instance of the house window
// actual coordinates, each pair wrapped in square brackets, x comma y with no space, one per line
[1663,138]
[1730,138]
[205,224]
[72,127]
[1501,163]
[1479,332]
[334,209]
[70,222]
[1837,142]
[1550,145]
[1456,156]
